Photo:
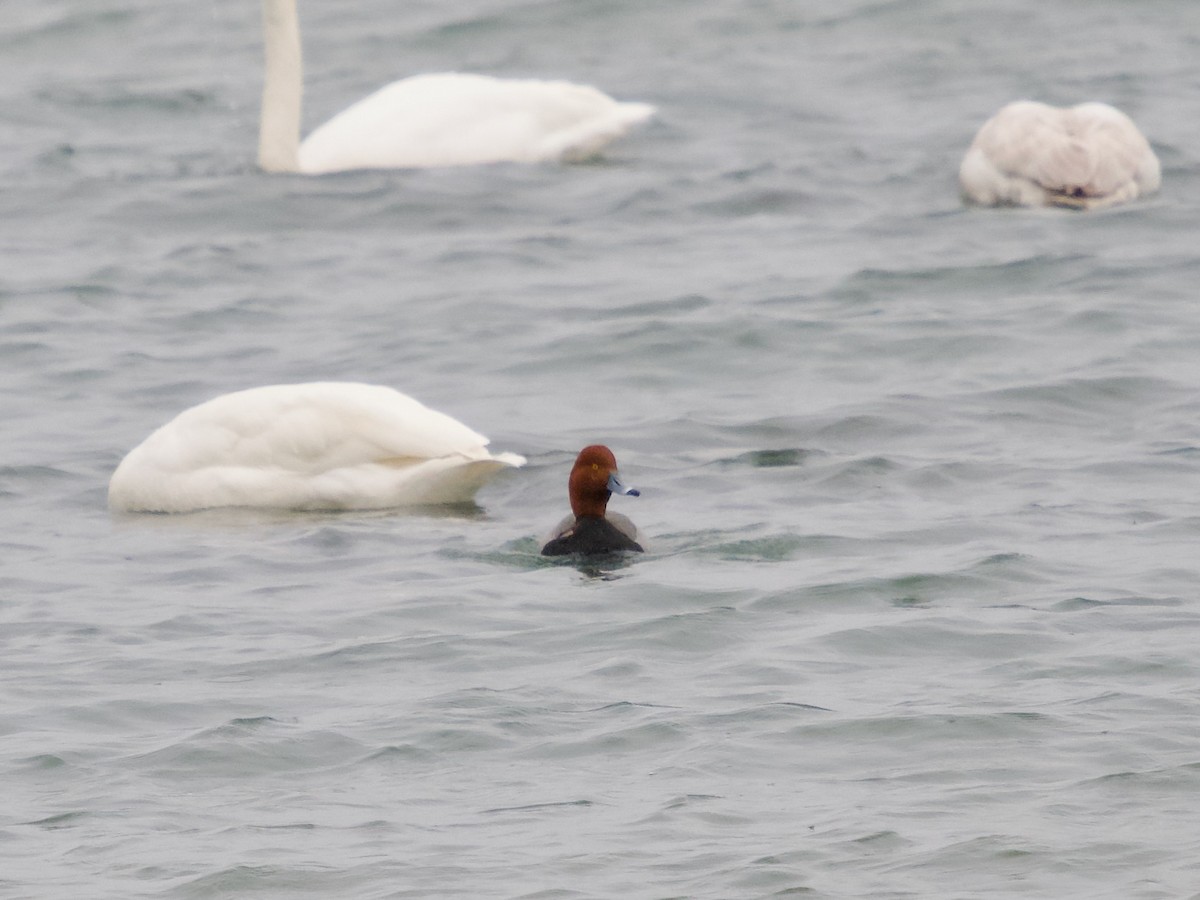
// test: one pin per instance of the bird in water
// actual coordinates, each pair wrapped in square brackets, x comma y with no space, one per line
[590,529]
[1088,156]
[320,445]
[445,119]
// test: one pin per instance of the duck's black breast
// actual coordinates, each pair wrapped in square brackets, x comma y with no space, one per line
[590,535]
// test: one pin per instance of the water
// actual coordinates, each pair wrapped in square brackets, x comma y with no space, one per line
[919,612]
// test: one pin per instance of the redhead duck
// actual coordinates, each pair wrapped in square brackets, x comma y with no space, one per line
[323,445]
[588,530]
[1086,157]
[447,119]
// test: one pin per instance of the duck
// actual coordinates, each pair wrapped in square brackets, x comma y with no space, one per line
[590,530]
[429,120]
[1089,156]
[313,446]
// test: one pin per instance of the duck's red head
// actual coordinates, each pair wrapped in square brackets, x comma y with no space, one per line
[593,480]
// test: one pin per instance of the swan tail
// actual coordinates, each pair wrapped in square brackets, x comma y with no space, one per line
[453,482]
[585,140]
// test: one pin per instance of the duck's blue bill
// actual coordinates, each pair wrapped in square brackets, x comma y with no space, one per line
[616,487]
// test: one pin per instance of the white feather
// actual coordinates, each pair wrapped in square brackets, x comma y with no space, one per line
[1087,157]
[449,119]
[324,445]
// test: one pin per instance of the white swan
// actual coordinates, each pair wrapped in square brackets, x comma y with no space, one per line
[429,120]
[1085,157]
[323,445]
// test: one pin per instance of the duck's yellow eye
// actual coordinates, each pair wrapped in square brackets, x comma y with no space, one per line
[595,465]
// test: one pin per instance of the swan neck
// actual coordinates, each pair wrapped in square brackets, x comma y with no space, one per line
[283,87]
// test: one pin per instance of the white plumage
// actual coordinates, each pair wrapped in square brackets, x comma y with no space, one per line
[449,119]
[1083,157]
[323,445]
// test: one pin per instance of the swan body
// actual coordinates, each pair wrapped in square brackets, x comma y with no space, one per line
[448,119]
[323,445]
[1088,156]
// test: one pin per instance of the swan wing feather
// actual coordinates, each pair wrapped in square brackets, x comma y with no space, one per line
[454,118]
[1031,154]
[317,445]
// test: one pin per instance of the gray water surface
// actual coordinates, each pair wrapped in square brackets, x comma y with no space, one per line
[919,612]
